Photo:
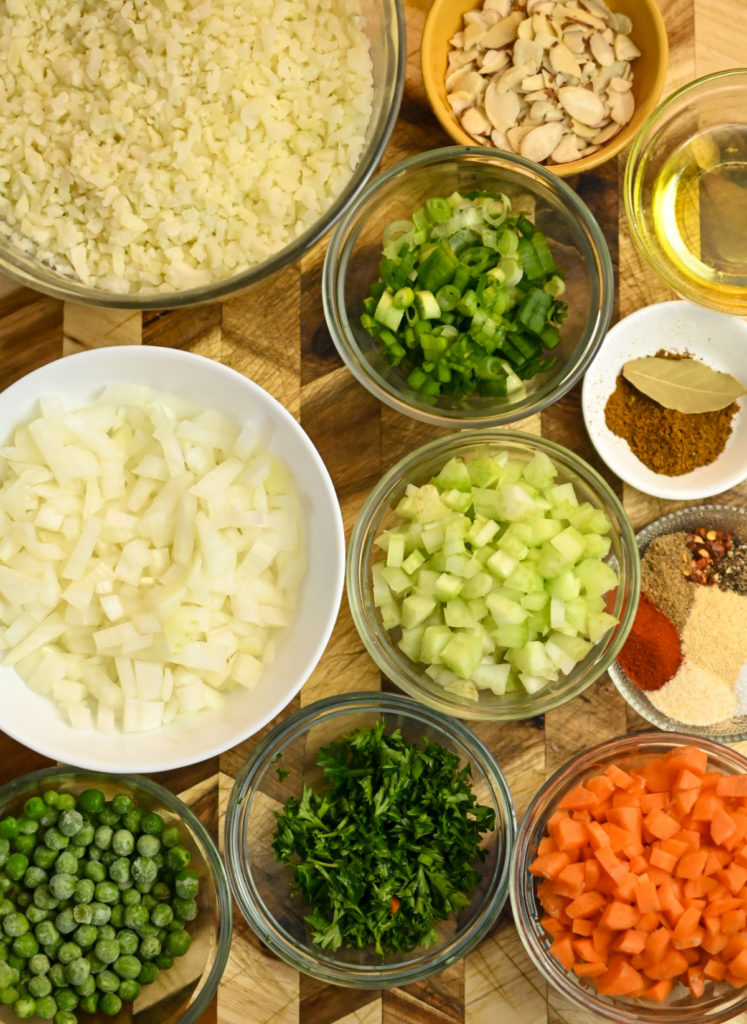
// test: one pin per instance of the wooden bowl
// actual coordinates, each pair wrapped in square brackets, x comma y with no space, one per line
[649,70]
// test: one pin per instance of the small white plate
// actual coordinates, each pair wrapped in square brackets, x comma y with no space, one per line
[716,339]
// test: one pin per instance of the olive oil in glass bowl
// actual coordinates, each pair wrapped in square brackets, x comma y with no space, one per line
[686,191]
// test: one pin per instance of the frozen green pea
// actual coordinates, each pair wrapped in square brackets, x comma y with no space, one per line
[178,857]
[39,986]
[102,837]
[15,924]
[46,1007]
[24,1006]
[148,846]
[43,857]
[149,948]
[123,842]
[65,922]
[46,933]
[35,808]
[90,801]
[128,941]
[165,961]
[6,975]
[68,952]
[117,917]
[24,899]
[65,802]
[84,837]
[89,1003]
[54,839]
[119,871]
[177,943]
[152,823]
[131,820]
[25,946]
[44,899]
[57,975]
[15,866]
[67,998]
[24,844]
[129,990]
[148,974]
[100,913]
[107,931]
[27,826]
[108,817]
[162,915]
[107,981]
[85,935]
[187,884]
[144,871]
[94,870]
[110,1004]
[97,966]
[6,907]
[122,803]
[127,966]
[4,850]
[77,971]
[36,914]
[107,950]
[62,886]
[170,836]
[87,987]
[39,964]
[66,863]
[130,897]
[70,822]
[65,1017]
[184,910]
[106,892]
[135,916]
[34,876]
[8,995]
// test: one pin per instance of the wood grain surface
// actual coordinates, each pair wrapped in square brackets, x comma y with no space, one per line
[277,336]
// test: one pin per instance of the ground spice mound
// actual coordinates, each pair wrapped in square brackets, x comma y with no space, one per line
[667,441]
[669,590]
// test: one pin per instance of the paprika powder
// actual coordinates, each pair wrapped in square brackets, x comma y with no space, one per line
[652,654]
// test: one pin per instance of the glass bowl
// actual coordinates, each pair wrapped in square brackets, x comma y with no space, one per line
[377,514]
[682,191]
[445,18]
[181,994]
[384,24]
[732,519]
[352,265]
[261,884]
[719,1002]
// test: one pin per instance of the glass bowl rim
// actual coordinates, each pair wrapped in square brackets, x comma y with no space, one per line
[333,281]
[374,507]
[539,808]
[289,255]
[327,709]
[15,787]
[644,536]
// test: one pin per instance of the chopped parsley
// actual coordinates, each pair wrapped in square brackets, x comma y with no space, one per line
[387,848]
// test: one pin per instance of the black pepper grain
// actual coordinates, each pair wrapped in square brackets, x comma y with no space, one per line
[733,568]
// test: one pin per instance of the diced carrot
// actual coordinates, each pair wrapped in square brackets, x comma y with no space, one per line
[592,970]
[672,964]
[628,818]
[660,824]
[603,938]
[690,837]
[597,835]
[571,880]
[620,979]
[661,858]
[705,806]
[578,798]
[735,944]
[657,943]
[611,863]
[549,865]
[584,949]
[585,904]
[717,859]
[738,964]
[733,921]
[569,834]
[687,931]
[688,758]
[691,864]
[646,896]
[562,950]
[675,845]
[619,916]
[602,786]
[659,775]
[621,840]
[735,980]
[546,845]
[630,941]
[684,801]
[686,780]
[732,785]
[648,922]
[552,925]
[722,825]
[669,902]
[653,802]
[583,926]
[621,778]
[659,991]
[714,944]
[638,864]
[593,872]
[696,981]
[734,877]
[552,903]
[723,906]
[626,888]
[714,969]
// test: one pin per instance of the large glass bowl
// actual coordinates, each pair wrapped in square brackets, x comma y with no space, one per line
[719,1002]
[377,514]
[683,194]
[731,519]
[181,994]
[261,884]
[385,27]
[352,265]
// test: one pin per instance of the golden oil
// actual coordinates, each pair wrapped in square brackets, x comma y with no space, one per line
[699,208]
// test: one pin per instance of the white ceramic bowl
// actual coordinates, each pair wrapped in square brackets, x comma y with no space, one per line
[36,721]
[714,338]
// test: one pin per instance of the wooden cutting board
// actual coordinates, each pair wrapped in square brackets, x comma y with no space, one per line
[277,336]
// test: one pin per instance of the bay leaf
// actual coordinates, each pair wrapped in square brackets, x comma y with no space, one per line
[687,385]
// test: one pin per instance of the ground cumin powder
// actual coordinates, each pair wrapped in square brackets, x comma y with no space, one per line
[665,440]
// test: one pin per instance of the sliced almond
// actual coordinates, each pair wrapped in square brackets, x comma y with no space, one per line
[499,139]
[563,62]
[621,106]
[601,50]
[532,83]
[578,14]
[473,33]
[510,78]
[539,143]
[535,97]
[515,135]
[596,7]
[528,53]
[501,108]
[501,6]
[525,30]
[574,41]
[620,84]
[494,60]
[503,32]
[474,122]
[567,150]
[545,110]
[582,104]
[625,48]
[460,58]
[605,134]
[622,23]
[459,102]
[468,81]
[584,131]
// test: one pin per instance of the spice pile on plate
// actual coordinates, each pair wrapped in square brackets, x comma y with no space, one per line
[674,411]
[688,645]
